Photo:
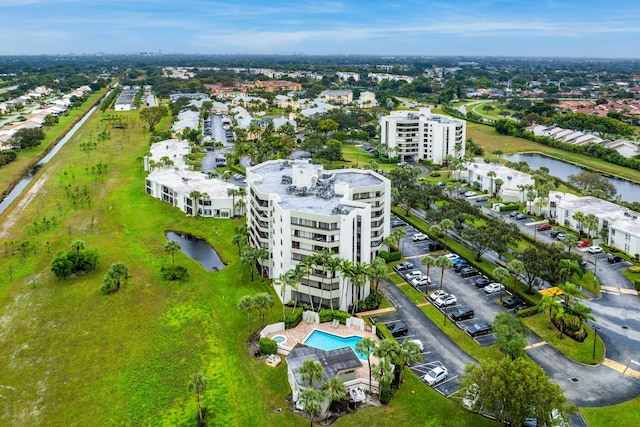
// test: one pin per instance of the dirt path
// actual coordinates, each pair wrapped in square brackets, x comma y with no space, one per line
[13,213]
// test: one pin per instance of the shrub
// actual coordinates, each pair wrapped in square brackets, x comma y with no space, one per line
[509,207]
[292,319]
[528,311]
[385,393]
[174,273]
[268,346]
[330,315]
[372,302]
[385,256]
[634,269]
[636,284]
[395,256]
[435,174]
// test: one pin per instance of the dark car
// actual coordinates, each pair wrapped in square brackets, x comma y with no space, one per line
[544,227]
[481,282]
[512,302]
[479,329]
[397,223]
[462,313]
[469,272]
[512,214]
[461,266]
[554,233]
[398,329]
[614,259]
[481,200]
[435,246]
[521,216]
[520,307]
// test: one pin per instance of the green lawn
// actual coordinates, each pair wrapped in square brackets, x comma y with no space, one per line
[76,357]
[624,414]
[415,296]
[580,352]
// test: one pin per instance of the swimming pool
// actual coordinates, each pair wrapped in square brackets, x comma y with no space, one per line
[327,341]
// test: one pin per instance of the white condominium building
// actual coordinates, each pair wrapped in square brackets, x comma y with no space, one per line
[418,135]
[296,209]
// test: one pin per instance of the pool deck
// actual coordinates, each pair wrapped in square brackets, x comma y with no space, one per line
[300,333]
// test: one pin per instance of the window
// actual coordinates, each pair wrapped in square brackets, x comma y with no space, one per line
[627,238]
[626,247]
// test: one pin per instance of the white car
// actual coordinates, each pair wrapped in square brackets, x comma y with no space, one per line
[470,194]
[418,343]
[437,294]
[447,300]
[419,237]
[493,288]
[452,256]
[420,281]
[410,275]
[595,250]
[434,376]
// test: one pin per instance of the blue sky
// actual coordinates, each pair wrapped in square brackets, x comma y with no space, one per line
[576,28]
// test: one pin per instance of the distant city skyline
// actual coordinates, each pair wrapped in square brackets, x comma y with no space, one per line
[539,28]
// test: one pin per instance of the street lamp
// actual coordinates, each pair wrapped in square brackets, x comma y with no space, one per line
[595,339]
[595,270]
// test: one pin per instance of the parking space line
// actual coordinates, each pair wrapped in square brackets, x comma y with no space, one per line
[417,256]
[628,291]
[537,344]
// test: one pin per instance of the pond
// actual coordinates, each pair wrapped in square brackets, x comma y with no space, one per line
[628,191]
[197,249]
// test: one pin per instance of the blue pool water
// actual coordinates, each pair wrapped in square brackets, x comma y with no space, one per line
[326,341]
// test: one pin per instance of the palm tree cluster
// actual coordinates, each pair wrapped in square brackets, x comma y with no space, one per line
[565,312]
[261,303]
[325,267]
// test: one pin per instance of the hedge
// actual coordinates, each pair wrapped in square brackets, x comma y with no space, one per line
[391,256]
[528,311]
[509,207]
[268,346]
[330,315]
[292,319]
[636,283]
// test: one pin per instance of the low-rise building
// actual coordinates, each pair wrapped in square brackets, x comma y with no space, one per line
[337,96]
[510,183]
[167,153]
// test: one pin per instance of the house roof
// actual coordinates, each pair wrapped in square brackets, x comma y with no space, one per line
[332,361]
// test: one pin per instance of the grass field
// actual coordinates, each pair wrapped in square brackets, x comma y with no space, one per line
[76,357]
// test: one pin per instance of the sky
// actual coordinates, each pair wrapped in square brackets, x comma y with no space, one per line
[550,28]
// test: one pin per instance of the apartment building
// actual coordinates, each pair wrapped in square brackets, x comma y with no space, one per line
[421,135]
[296,209]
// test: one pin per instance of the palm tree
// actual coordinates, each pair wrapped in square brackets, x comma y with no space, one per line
[282,280]
[498,185]
[429,261]
[321,259]
[246,305]
[378,271]
[366,346]
[306,266]
[435,231]
[198,385]
[515,267]
[446,224]
[582,313]
[444,263]
[249,256]
[171,247]
[335,390]
[311,400]
[591,223]
[241,205]
[233,192]
[383,373]
[409,353]
[552,302]
[242,192]
[359,279]
[450,187]
[579,218]
[226,175]
[262,302]
[310,371]
[570,292]
[568,267]
[501,275]
[570,241]
[239,240]
[347,270]
[491,174]
[333,264]
[195,196]
[77,245]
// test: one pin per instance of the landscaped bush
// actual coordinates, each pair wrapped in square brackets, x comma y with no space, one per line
[636,284]
[528,311]
[292,319]
[329,315]
[509,207]
[391,256]
[174,273]
[634,269]
[578,335]
[71,262]
[268,346]
[385,393]
[372,302]
[435,174]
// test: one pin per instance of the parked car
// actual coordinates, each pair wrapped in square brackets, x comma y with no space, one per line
[459,260]
[470,194]
[614,259]
[481,200]
[436,246]
[437,294]
[483,281]
[463,192]
[513,214]
[419,237]
[561,236]
[412,274]
[493,288]
[441,184]
[397,223]
[520,307]
[420,281]
[447,300]
[469,272]
[462,313]
[521,216]
[398,329]
[418,343]
[595,250]
[477,329]
[403,266]
[460,266]
[584,243]
[434,376]
[544,227]
[452,256]
[554,233]
[238,176]
[512,301]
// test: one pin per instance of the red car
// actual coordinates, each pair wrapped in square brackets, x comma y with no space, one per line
[583,243]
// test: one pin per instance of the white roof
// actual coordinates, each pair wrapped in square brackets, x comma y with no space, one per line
[175,149]
[184,182]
